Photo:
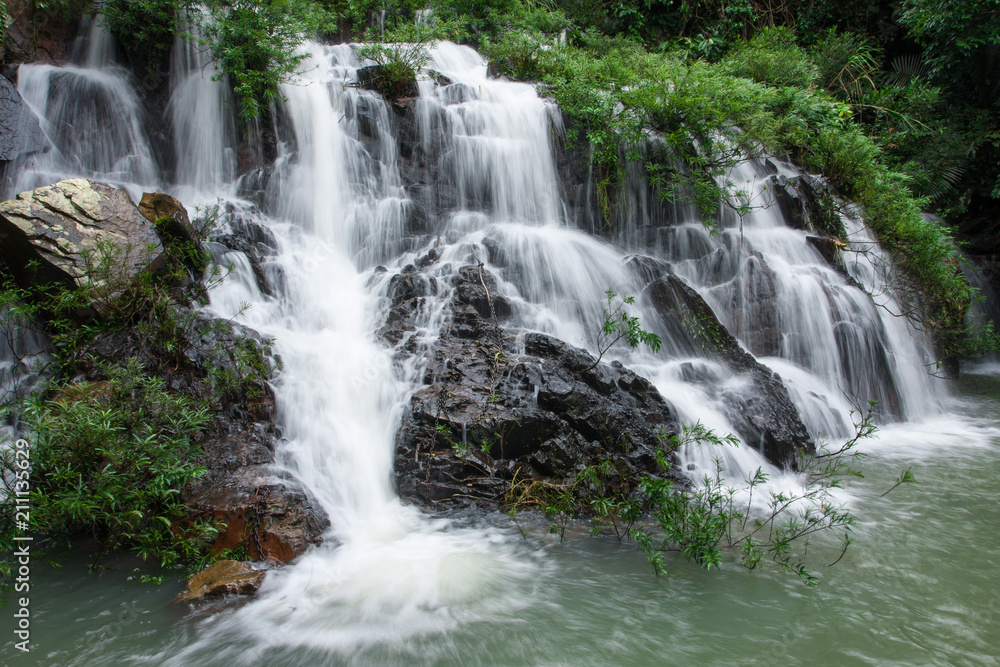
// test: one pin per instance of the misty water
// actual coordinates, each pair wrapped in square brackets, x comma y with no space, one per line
[392,585]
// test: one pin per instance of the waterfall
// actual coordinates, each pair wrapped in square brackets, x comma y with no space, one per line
[356,193]
[201,113]
[94,122]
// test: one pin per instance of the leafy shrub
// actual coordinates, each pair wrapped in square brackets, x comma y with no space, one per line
[620,326]
[146,28]
[772,57]
[108,459]
[707,522]
[846,64]
[398,65]
[255,41]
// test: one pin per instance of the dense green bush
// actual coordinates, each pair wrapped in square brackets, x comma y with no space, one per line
[398,63]
[772,57]
[146,28]
[107,461]
[255,43]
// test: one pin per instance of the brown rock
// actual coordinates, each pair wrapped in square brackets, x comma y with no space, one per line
[156,205]
[174,228]
[272,519]
[224,577]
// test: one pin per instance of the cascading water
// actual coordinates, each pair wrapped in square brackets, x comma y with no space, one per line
[93,120]
[201,113]
[482,186]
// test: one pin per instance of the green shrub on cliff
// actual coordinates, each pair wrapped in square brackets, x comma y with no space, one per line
[145,28]
[255,43]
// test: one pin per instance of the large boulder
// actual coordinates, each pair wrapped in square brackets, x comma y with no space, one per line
[271,519]
[57,233]
[173,225]
[498,407]
[20,133]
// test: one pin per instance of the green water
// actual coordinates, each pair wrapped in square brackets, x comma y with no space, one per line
[920,586]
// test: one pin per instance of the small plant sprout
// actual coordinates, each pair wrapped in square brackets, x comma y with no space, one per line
[619,325]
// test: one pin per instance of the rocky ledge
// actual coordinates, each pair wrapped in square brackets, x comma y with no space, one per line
[498,405]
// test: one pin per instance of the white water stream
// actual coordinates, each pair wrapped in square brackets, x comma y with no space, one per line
[338,207]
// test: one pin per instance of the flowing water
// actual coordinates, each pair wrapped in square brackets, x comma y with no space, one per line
[477,179]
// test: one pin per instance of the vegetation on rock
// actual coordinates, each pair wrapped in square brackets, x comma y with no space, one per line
[134,381]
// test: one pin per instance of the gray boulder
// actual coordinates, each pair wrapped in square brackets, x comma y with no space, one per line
[56,233]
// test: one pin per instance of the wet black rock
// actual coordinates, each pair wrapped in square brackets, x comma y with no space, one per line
[752,297]
[244,233]
[758,404]
[807,202]
[496,405]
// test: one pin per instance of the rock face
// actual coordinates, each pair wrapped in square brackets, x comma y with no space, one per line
[496,405]
[20,133]
[224,577]
[752,298]
[804,202]
[50,234]
[759,406]
[270,517]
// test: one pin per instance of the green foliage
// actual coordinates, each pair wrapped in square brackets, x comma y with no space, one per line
[255,41]
[481,17]
[64,9]
[686,123]
[5,20]
[619,325]
[146,28]
[846,65]
[772,57]
[952,32]
[399,63]
[709,522]
[704,523]
[108,459]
